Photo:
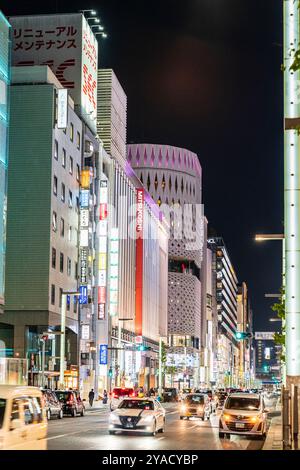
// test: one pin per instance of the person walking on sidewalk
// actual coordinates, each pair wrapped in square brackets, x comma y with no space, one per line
[91,397]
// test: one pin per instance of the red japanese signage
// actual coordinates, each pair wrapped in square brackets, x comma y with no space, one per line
[101,295]
[103,211]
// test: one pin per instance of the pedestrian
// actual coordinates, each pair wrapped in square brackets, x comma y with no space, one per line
[104,401]
[91,397]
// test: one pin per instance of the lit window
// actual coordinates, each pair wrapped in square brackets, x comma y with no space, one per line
[70,234]
[56,150]
[64,158]
[55,185]
[71,166]
[63,192]
[54,221]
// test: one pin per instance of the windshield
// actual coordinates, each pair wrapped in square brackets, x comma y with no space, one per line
[186,390]
[195,399]
[241,403]
[137,404]
[63,396]
[2,411]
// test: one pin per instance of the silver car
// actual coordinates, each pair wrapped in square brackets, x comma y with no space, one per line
[243,414]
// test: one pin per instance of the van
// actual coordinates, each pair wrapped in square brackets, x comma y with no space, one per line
[23,422]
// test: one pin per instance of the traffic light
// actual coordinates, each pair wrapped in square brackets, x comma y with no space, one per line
[241,335]
[110,372]
[143,348]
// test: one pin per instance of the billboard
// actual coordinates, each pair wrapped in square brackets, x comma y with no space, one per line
[68,46]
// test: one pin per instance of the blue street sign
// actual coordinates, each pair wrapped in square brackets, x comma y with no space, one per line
[103,354]
[84,198]
[68,300]
[83,297]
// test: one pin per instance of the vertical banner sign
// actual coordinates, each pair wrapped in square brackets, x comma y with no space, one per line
[103,354]
[102,269]
[62,108]
[114,272]
[139,262]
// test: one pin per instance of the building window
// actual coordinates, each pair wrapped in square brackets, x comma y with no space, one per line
[70,199]
[70,234]
[76,270]
[54,221]
[77,203]
[71,166]
[60,295]
[75,304]
[64,158]
[78,140]
[55,185]
[71,132]
[61,262]
[63,192]
[76,237]
[52,294]
[62,227]
[53,258]
[56,150]
[77,172]
[69,266]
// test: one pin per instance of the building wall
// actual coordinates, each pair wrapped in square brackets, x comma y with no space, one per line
[5,49]
[112,114]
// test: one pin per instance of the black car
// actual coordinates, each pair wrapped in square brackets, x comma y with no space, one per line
[53,406]
[170,394]
[71,402]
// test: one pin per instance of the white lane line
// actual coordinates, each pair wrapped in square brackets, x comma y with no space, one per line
[160,438]
[56,437]
[172,413]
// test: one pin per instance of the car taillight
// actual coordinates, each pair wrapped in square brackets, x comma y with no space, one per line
[115,395]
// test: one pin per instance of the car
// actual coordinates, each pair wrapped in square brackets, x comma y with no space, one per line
[143,415]
[23,421]
[243,414]
[197,405]
[170,394]
[211,396]
[71,402]
[52,405]
[118,394]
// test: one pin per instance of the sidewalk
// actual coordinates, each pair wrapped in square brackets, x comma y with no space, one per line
[274,435]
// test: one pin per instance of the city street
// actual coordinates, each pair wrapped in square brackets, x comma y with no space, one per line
[91,433]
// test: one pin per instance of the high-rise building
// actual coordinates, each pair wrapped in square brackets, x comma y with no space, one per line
[111,114]
[226,295]
[5,52]
[43,214]
[244,324]
[172,176]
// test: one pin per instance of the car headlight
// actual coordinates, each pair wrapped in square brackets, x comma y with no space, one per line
[183,407]
[256,419]
[114,419]
[226,417]
[147,419]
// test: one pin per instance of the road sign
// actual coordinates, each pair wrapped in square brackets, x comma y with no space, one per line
[83,297]
[103,354]
[138,340]
[265,335]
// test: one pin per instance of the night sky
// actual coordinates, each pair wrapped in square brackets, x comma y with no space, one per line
[205,75]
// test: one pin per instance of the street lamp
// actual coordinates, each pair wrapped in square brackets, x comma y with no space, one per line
[275,319]
[92,12]
[270,236]
[97,20]
[100,28]
[104,35]
[63,334]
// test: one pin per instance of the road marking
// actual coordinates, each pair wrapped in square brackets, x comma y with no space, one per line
[160,438]
[56,437]
[172,412]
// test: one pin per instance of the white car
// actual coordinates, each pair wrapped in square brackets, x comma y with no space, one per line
[244,414]
[144,415]
[23,421]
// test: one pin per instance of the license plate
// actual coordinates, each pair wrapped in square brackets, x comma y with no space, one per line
[129,425]
[239,425]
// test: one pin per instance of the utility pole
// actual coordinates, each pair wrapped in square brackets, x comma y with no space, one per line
[292,191]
